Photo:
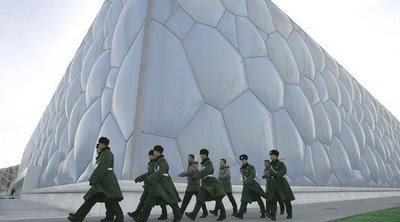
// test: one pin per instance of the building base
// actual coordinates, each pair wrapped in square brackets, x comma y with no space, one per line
[70,197]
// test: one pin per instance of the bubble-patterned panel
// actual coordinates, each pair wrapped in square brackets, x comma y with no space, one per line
[233,76]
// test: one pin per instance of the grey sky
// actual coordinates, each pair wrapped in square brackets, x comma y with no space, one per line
[38,39]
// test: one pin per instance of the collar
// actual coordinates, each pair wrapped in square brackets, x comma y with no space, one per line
[244,166]
[274,162]
[98,155]
[224,167]
[204,161]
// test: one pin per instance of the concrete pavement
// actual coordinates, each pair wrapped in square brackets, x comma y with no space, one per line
[23,210]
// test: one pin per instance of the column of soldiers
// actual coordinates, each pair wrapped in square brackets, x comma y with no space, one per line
[159,189]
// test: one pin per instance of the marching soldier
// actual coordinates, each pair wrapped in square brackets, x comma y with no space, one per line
[193,185]
[265,176]
[278,187]
[252,191]
[162,189]
[210,188]
[224,177]
[104,186]
[146,187]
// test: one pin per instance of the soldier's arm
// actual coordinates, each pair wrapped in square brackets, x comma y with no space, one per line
[281,170]
[102,168]
[226,175]
[208,170]
[267,172]
[193,169]
[252,175]
[265,175]
[142,177]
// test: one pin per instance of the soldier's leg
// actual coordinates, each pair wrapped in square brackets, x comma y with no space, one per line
[221,208]
[144,214]
[140,206]
[233,202]
[203,208]
[110,212]
[262,207]
[192,215]
[186,199]
[176,211]
[272,203]
[84,209]
[164,214]
[281,205]
[289,209]
[215,211]
[199,203]
[242,210]
[119,215]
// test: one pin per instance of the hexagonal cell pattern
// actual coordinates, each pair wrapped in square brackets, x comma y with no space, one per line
[233,76]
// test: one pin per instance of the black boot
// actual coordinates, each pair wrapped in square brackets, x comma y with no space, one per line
[195,211]
[239,215]
[162,217]
[176,212]
[221,207]
[75,218]
[204,215]
[144,214]
[164,214]
[262,207]
[242,210]
[289,210]
[133,214]
[221,217]
[213,212]
[107,220]
[234,210]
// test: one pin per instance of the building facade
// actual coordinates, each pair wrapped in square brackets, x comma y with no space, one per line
[232,76]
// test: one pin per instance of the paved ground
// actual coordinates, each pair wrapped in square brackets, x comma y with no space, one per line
[22,210]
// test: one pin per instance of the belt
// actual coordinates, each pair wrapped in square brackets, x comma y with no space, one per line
[110,168]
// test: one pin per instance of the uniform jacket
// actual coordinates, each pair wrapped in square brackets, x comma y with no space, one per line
[103,179]
[210,188]
[277,182]
[193,184]
[251,189]
[162,189]
[224,176]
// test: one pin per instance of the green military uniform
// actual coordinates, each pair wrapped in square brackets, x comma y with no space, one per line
[162,190]
[193,186]
[278,187]
[267,206]
[251,191]
[224,177]
[104,188]
[210,189]
[146,187]
[103,179]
